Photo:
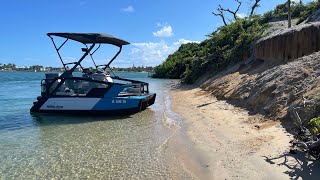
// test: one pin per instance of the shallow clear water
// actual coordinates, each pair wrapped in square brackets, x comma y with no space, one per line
[48,146]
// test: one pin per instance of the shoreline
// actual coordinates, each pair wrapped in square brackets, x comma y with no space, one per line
[232,143]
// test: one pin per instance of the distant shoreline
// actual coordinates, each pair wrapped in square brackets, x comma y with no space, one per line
[26,71]
[63,71]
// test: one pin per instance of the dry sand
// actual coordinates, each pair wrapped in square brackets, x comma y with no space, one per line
[234,144]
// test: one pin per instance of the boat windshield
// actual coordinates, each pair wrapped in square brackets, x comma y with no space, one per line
[78,87]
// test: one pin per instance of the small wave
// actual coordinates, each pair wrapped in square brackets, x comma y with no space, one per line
[170,122]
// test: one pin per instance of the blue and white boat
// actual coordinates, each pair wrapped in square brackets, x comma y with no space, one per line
[95,93]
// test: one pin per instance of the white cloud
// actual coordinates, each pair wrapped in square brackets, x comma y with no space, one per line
[159,24]
[128,9]
[242,15]
[184,41]
[165,31]
[150,53]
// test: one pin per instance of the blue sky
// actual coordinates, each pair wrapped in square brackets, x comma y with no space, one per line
[155,28]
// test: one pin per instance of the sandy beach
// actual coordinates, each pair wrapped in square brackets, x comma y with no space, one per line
[233,143]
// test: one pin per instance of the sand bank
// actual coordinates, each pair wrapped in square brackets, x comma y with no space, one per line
[233,143]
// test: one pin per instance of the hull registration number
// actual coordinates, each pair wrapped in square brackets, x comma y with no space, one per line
[119,101]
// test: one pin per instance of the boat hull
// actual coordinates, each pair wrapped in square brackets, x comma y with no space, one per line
[93,106]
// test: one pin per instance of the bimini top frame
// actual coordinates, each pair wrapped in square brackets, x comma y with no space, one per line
[87,38]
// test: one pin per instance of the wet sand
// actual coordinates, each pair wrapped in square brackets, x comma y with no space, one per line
[232,143]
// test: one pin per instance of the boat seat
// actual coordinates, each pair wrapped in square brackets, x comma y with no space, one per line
[97,92]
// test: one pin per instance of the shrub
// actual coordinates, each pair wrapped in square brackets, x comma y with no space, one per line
[225,46]
[308,10]
[315,123]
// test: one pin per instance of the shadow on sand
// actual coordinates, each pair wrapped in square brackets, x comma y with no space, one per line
[300,165]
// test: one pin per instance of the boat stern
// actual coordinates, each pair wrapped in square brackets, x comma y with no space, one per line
[147,101]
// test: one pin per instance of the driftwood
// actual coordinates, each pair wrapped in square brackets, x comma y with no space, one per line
[303,137]
[205,104]
[311,145]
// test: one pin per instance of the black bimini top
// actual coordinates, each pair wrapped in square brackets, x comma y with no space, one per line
[90,38]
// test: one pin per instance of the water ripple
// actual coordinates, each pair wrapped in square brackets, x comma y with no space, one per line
[66,147]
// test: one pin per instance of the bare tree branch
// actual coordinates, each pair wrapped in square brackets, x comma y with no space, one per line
[255,5]
[221,15]
[234,13]
[220,9]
